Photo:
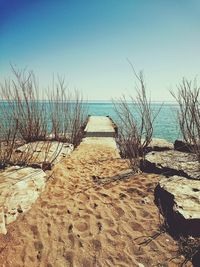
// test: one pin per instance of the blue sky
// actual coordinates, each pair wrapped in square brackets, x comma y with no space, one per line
[89,41]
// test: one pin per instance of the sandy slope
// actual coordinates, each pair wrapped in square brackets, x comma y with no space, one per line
[76,222]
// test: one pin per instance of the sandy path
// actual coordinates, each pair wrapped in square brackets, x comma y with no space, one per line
[76,222]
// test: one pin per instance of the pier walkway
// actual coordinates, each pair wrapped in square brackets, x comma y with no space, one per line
[100,131]
[100,126]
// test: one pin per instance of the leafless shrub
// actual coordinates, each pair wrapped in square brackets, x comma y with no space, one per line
[189,247]
[188,99]
[135,120]
[77,118]
[8,132]
[25,119]
[68,113]
[22,97]
[59,110]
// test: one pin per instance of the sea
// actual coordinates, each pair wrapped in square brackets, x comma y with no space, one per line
[165,125]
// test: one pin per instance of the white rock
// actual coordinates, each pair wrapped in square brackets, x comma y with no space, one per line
[48,151]
[20,188]
[173,162]
[159,144]
[179,199]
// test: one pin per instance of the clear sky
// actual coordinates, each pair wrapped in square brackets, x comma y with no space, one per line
[88,41]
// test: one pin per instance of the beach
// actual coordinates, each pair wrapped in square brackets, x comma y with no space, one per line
[78,222]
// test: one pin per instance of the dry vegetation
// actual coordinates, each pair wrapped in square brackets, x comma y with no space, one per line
[68,113]
[26,118]
[188,99]
[189,247]
[135,120]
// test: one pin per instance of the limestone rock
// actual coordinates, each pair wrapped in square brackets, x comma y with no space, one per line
[158,144]
[46,151]
[182,146]
[19,189]
[173,163]
[179,201]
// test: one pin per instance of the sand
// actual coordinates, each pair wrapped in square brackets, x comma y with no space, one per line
[77,222]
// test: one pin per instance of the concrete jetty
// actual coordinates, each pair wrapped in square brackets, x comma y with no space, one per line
[99,126]
[101,130]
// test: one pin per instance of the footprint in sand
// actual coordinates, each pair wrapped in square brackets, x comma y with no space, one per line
[96,244]
[38,245]
[34,229]
[134,213]
[117,212]
[145,214]
[136,226]
[81,226]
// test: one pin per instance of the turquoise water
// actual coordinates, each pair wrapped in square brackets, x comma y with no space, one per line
[165,125]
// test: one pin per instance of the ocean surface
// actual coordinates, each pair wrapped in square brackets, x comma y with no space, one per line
[165,124]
